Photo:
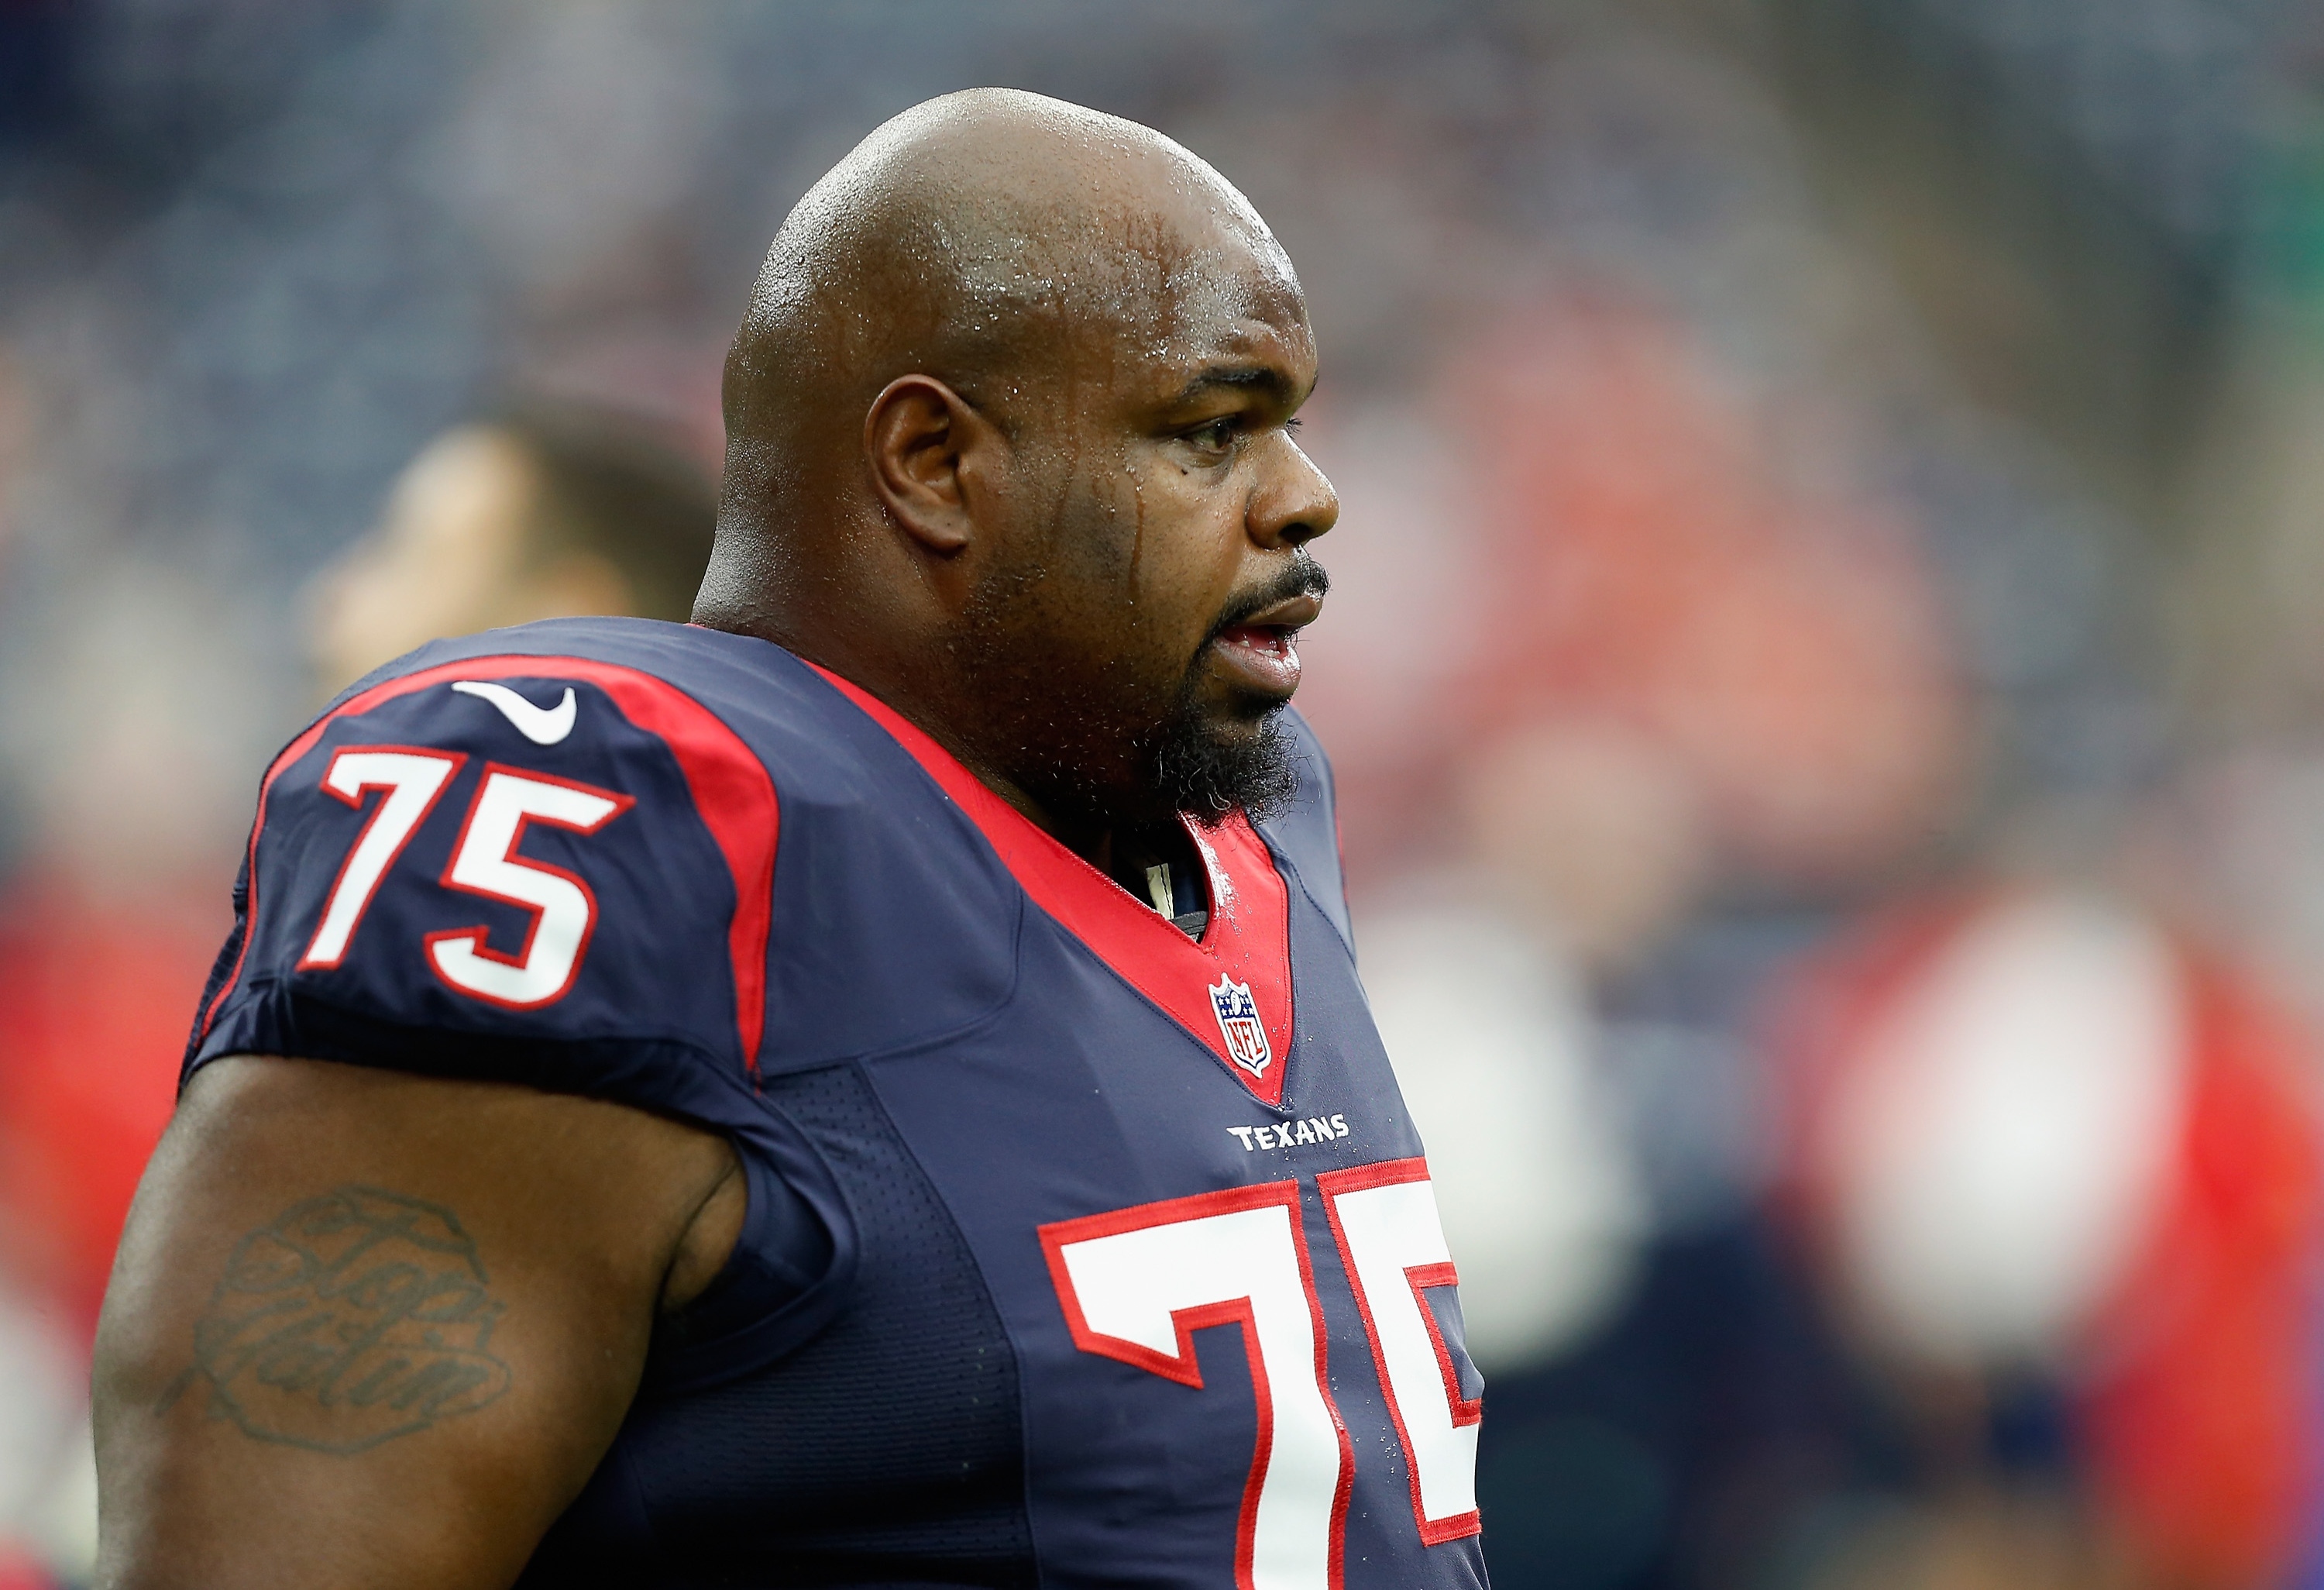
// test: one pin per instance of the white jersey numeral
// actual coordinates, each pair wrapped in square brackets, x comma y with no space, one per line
[412,779]
[485,862]
[1136,1284]
[1392,1244]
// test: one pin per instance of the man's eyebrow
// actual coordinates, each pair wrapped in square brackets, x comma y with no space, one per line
[1264,378]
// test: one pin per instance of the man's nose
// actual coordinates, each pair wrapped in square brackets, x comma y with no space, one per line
[1294,502]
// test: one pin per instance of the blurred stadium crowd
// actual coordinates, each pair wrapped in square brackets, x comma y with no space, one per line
[1826,663]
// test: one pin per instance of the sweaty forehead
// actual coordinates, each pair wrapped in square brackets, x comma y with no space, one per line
[994,237]
[1143,243]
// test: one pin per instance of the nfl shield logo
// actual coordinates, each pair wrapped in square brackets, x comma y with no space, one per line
[1240,1025]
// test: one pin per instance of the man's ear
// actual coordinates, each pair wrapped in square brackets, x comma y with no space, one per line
[921,438]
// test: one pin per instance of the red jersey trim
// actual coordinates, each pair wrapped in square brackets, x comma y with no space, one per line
[1421,1278]
[732,790]
[1184,1367]
[1247,939]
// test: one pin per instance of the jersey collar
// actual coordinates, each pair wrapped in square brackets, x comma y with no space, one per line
[1226,990]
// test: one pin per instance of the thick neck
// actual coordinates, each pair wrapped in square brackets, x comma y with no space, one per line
[892,684]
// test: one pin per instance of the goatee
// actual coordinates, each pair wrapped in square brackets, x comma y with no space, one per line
[1208,774]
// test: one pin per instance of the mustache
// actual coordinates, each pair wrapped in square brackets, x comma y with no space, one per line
[1304,577]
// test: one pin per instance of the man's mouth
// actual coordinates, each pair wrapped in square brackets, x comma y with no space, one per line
[1263,656]
[1258,653]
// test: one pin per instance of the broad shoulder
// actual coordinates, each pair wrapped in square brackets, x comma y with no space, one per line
[713,700]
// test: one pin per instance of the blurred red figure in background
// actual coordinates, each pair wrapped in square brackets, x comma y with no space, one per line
[1667,573]
[87,1085]
[2035,1135]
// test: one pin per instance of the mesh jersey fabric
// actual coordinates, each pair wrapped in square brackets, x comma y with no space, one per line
[791,1474]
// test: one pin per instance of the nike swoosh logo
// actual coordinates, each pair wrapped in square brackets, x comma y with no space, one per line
[543,725]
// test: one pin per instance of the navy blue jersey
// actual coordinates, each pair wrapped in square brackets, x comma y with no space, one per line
[1079,1252]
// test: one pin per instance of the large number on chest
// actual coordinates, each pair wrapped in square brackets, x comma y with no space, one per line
[1135,1285]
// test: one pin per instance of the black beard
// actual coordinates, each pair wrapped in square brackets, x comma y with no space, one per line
[1209,776]
[1185,763]
[1077,748]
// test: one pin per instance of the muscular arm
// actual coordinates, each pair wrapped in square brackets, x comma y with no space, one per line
[368,1328]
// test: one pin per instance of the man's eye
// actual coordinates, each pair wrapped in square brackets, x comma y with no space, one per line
[1216,436]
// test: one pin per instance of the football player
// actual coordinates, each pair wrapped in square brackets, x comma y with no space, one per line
[869,1088]
[540,510]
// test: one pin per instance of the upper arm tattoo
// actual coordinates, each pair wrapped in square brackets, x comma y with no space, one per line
[348,1320]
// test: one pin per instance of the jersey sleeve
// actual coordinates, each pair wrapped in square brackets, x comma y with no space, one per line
[550,871]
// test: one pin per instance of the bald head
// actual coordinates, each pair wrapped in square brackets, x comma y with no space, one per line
[1012,404]
[996,239]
